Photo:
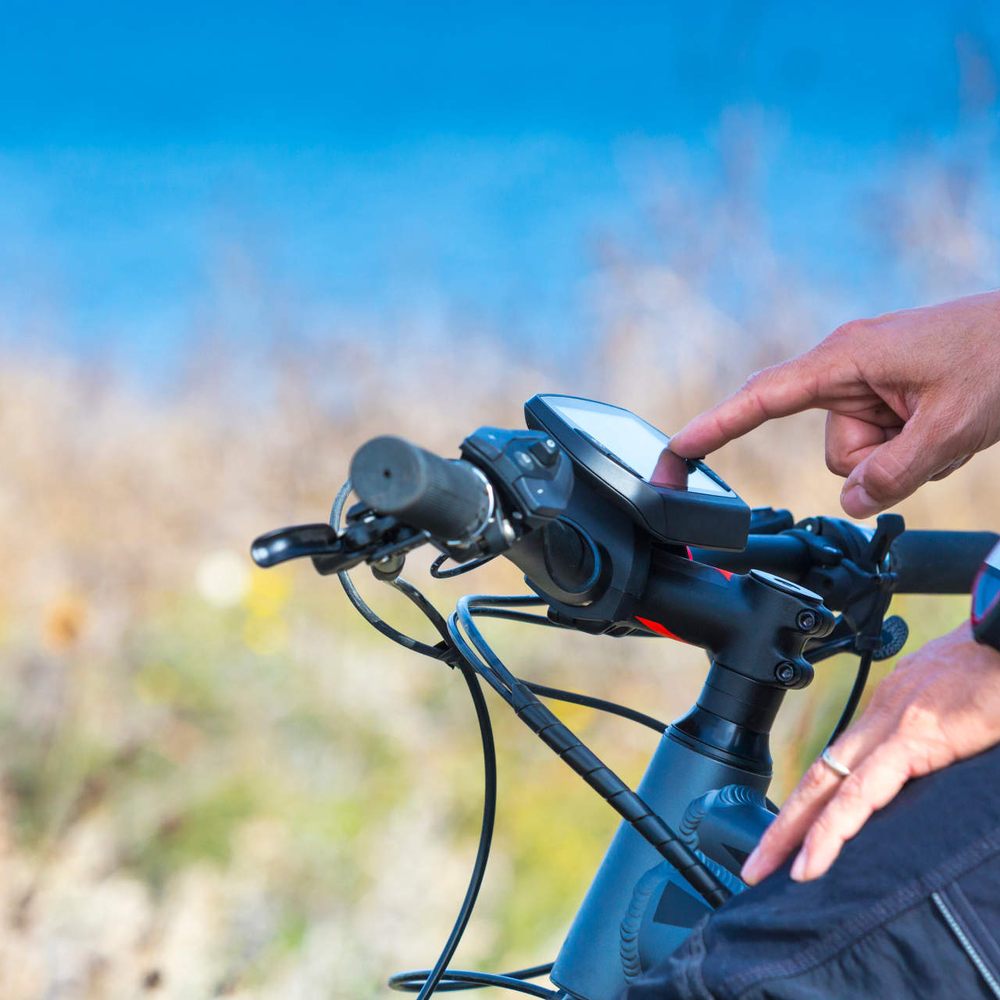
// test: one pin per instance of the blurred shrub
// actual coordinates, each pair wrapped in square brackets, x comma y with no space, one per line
[218,780]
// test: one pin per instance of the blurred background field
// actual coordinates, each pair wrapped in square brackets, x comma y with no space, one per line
[216,781]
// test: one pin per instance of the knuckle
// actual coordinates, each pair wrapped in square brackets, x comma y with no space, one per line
[885,476]
[824,827]
[772,836]
[855,329]
[756,382]
[947,428]
[838,463]
[753,392]
[891,689]
[852,793]
[917,718]
[881,694]
[815,779]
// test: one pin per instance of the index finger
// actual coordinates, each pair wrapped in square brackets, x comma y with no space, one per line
[774,392]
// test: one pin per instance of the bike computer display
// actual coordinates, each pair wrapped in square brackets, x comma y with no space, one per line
[986,600]
[675,499]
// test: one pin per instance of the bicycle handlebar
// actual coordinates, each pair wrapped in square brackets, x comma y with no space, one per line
[939,562]
[452,500]
[925,562]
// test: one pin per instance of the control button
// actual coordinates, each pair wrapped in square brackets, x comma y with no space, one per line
[488,441]
[538,497]
[525,460]
[546,451]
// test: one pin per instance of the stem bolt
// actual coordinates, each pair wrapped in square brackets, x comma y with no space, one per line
[807,620]
[785,672]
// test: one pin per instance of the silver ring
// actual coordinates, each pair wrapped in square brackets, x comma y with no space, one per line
[491,507]
[831,762]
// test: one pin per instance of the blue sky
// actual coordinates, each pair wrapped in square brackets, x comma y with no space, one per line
[159,165]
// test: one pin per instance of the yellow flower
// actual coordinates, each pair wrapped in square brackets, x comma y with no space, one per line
[268,592]
[62,622]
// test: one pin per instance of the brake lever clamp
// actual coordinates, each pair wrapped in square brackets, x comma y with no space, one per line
[892,638]
[856,582]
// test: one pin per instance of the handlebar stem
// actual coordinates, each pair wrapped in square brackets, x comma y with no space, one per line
[755,628]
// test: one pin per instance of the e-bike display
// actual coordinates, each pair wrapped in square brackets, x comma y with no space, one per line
[675,499]
[616,536]
[986,600]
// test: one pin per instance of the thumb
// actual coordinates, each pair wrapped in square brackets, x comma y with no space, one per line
[894,470]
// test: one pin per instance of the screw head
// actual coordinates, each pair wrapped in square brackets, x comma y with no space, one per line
[785,672]
[807,620]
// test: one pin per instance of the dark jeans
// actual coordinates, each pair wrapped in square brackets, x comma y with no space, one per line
[911,908]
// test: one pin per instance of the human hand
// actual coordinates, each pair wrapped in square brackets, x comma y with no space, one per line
[911,396]
[941,704]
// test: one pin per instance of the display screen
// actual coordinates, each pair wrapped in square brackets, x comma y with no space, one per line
[988,585]
[637,445]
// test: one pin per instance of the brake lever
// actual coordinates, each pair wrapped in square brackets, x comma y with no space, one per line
[381,541]
[293,543]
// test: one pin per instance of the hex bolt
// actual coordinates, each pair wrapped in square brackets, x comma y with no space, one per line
[785,672]
[807,620]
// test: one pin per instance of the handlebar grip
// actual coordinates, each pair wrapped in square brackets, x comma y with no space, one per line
[447,498]
[939,562]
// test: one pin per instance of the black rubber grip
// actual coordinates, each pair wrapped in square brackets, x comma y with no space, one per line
[939,562]
[392,476]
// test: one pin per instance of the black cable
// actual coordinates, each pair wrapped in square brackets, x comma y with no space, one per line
[469,605]
[485,834]
[384,627]
[447,574]
[520,616]
[338,504]
[557,693]
[426,982]
[516,616]
[572,751]
[367,613]
[532,972]
[864,666]
[599,703]
[470,656]
[433,615]
[462,979]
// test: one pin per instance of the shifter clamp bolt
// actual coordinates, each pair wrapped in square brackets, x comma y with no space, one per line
[785,672]
[807,620]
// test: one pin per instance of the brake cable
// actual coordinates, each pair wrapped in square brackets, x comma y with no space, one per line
[520,695]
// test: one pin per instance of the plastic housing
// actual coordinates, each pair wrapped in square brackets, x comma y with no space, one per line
[684,517]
